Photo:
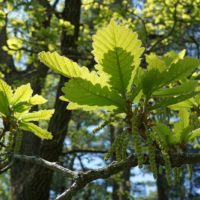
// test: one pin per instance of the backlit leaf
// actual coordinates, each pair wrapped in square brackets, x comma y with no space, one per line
[118,50]
[38,115]
[83,92]
[41,133]
[22,94]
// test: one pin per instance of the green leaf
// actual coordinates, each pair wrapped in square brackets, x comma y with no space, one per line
[84,93]
[155,62]
[194,134]
[70,69]
[118,50]
[163,131]
[22,94]
[181,128]
[189,103]
[171,57]
[21,107]
[173,100]
[186,87]
[156,78]
[181,69]
[62,65]
[43,134]
[150,81]
[37,116]
[6,90]
[162,63]
[75,106]
[37,100]
[4,106]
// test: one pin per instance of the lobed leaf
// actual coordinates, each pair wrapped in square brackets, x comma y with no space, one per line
[181,69]
[41,133]
[37,100]
[173,100]
[22,94]
[194,134]
[184,88]
[4,106]
[6,90]
[62,65]
[38,115]
[92,95]
[118,50]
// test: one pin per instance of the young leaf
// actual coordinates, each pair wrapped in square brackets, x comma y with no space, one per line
[181,69]
[150,81]
[4,106]
[37,116]
[163,131]
[186,87]
[193,134]
[21,107]
[173,100]
[88,94]
[155,62]
[43,134]
[162,63]
[22,94]
[181,128]
[171,57]
[171,70]
[118,51]
[187,104]
[62,65]
[6,90]
[37,100]
[75,106]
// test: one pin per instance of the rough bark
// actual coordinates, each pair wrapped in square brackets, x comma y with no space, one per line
[6,60]
[36,186]
[162,187]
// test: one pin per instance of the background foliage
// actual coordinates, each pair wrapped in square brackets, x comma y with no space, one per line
[29,27]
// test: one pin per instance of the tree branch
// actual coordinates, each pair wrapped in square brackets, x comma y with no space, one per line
[81,179]
[74,151]
[50,165]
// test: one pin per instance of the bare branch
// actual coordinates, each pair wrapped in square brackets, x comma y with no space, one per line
[81,179]
[74,151]
[50,165]
[86,177]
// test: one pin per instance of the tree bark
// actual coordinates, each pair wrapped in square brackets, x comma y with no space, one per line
[36,185]
[162,187]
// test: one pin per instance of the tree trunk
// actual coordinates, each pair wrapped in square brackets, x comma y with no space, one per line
[36,184]
[162,187]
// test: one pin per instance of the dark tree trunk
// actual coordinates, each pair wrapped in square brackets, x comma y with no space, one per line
[36,185]
[30,144]
[162,187]
[6,60]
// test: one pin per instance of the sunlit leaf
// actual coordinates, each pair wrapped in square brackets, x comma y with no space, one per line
[41,133]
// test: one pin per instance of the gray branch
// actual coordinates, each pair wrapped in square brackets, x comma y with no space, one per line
[81,179]
[50,165]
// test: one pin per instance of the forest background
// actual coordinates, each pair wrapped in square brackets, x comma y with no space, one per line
[28,27]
